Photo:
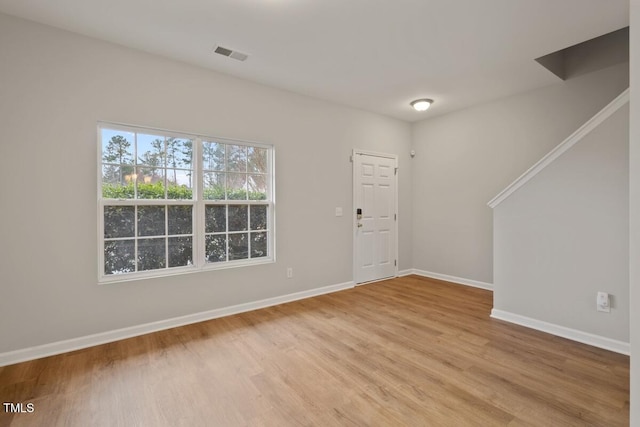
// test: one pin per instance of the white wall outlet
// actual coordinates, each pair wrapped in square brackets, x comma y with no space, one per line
[289,272]
[603,302]
[338,211]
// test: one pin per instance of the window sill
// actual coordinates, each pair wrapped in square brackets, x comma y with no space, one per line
[177,271]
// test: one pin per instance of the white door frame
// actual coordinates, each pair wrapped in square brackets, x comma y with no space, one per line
[355,152]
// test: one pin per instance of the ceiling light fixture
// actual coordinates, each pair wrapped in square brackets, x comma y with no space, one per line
[422,104]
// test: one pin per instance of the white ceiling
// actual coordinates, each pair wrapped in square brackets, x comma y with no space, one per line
[377,55]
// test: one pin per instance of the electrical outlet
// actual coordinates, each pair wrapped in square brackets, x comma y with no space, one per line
[289,272]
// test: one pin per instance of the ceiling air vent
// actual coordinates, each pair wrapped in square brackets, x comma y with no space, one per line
[230,53]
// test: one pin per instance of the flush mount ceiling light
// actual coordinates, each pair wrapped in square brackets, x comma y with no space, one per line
[422,104]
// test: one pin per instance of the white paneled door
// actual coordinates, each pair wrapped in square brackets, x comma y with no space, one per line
[375,218]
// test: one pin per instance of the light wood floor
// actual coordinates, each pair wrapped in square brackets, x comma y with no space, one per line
[408,351]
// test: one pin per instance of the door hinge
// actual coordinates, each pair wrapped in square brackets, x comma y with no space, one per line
[395,171]
[351,159]
[395,217]
[395,262]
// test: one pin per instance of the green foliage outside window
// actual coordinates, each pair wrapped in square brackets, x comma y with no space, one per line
[174,192]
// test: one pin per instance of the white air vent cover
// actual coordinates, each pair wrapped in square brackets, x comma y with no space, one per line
[230,53]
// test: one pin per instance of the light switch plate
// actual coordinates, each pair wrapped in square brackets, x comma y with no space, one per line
[603,302]
[338,211]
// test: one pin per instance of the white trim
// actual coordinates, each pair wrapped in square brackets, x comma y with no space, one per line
[179,134]
[73,344]
[382,279]
[375,154]
[564,332]
[406,272]
[454,279]
[590,125]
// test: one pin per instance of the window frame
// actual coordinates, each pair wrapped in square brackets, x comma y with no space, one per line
[198,202]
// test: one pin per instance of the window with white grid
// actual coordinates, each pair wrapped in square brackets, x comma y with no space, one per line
[172,203]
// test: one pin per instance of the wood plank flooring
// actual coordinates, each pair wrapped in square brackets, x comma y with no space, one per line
[404,352]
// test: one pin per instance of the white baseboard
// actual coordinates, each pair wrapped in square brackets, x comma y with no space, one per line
[73,344]
[454,279]
[564,332]
[407,272]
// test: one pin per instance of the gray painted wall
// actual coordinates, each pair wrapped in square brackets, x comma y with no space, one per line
[634,148]
[564,236]
[464,159]
[56,85]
